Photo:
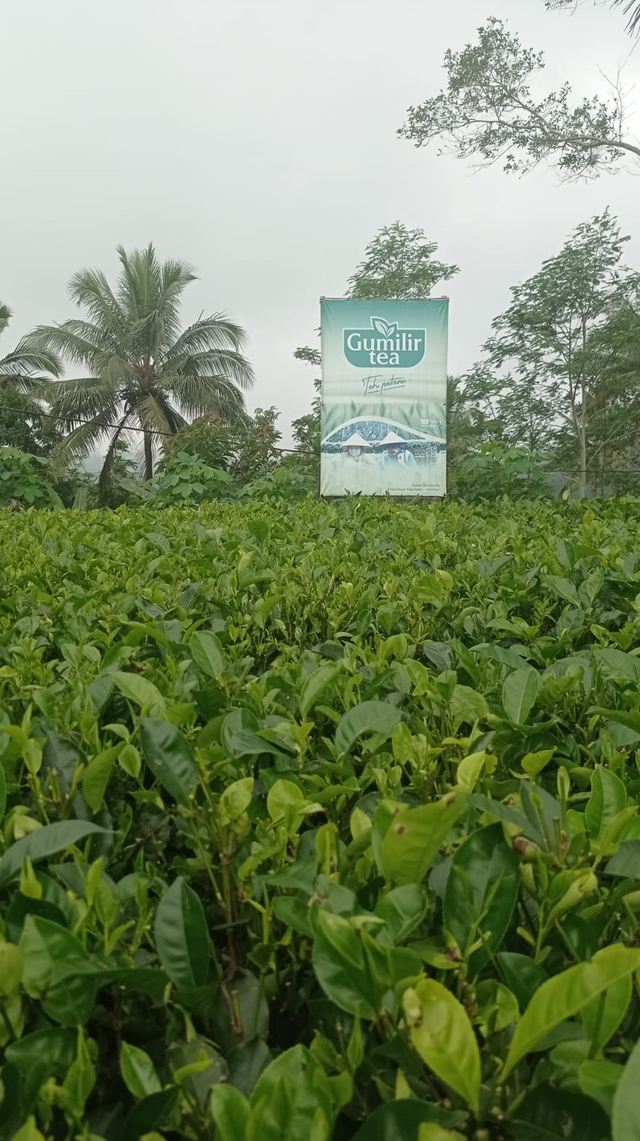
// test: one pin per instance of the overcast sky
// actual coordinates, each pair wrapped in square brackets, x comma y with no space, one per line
[257,139]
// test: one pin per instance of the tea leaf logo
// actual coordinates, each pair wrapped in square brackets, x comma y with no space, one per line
[383,328]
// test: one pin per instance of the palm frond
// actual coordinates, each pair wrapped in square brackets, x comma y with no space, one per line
[215,362]
[5,317]
[28,360]
[104,339]
[80,442]
[81,399]
[214,332]
[174,277]
[154,416]
[631,8]
[63,340]
[207,396]
[90,289]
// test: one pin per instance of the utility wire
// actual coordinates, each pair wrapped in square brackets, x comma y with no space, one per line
[123,428]
[284,451]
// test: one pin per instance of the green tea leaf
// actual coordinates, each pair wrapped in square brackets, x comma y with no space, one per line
[57,971]
[481,893]
[564,588]
[618,664]
[207,653]
[566,994]
[343,969]
[414,837]
[316,684]
[369,717]
[443,1036]
[608,797]
[140,691]
[170,758]
[626,862]
[230,1111]
[151,1113]
[3,793]
[292,1100]
[519,694]
[138,1071]
[625,1118]
[402,910]
[47,841]
[95,778]
[400,1120]
[602,1017]
[599,1080]
[182,937]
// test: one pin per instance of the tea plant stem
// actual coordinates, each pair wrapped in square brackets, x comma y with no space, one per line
[7,1020]
[229,914]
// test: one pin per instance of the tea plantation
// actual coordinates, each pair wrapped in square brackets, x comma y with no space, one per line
[320,822]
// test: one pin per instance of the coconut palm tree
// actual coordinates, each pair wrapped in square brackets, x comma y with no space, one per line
[23,422]
[143,372]
[23,367]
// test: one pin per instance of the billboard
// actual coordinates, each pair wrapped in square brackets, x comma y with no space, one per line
[384,397]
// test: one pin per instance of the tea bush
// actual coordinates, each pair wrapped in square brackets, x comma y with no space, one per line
[320,821]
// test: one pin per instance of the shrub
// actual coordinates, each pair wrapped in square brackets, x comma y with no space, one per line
[23,481]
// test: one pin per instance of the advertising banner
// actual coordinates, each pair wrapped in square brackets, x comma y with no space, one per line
[384,397]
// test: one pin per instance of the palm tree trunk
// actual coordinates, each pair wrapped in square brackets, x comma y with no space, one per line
[148,456]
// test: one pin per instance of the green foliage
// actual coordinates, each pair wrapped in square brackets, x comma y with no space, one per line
[495,470]
[399,263]
[186,479]
[23,481]
[488,112]
[23,423]
[320,821]
[207,437]
[247,451]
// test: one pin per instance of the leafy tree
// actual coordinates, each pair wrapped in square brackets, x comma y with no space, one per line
[306,429]
[143,371]
[208,437]
[471,416]
[613,427]
[399,263]
[557,341]
[23,423]
[255,450]
[495,469]
[245,450]
[488,112]
[309,356]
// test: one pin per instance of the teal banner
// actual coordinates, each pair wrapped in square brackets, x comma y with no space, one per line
[384,397]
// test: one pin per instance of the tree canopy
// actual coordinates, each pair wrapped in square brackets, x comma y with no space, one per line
[143,370]
[488,112]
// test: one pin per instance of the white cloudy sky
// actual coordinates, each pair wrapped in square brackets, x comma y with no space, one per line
[256,138]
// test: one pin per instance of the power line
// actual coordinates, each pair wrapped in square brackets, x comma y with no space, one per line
[284,451]
[121,427]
